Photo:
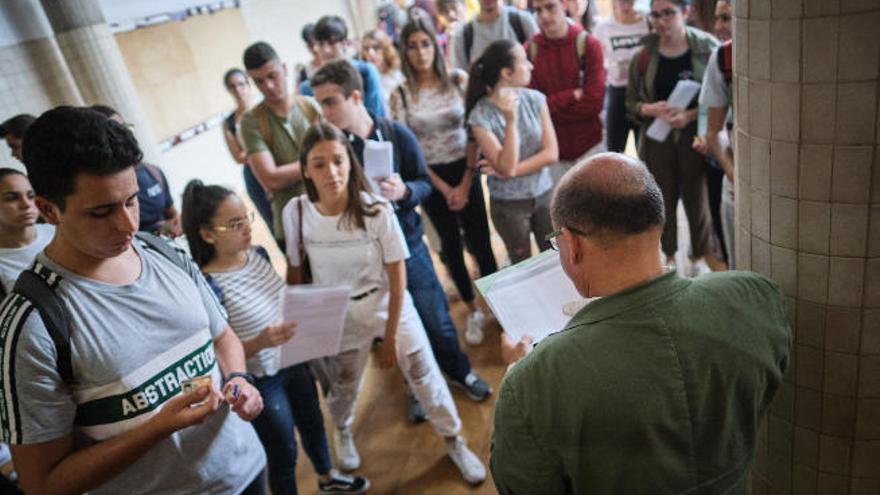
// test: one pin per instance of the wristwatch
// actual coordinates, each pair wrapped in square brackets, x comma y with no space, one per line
[240,374]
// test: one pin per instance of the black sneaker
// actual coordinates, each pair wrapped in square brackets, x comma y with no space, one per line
[341,483]
[414,410]
[474,387]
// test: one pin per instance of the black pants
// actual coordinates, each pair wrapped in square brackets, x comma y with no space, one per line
[472,219]
[617,126]
[714,177]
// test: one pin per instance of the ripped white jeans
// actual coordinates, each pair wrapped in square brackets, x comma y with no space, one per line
[345,371]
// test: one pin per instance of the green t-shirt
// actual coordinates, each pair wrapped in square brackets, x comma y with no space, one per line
[659,388]
[286,136]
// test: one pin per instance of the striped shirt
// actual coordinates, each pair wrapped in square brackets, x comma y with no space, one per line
[252,297]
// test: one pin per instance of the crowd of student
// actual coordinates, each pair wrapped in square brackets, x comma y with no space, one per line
[516,95]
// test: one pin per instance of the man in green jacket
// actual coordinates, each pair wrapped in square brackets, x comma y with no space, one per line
[661,384]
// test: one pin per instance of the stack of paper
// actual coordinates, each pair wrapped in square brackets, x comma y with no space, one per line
[319,313]
[684,92]
[533,297]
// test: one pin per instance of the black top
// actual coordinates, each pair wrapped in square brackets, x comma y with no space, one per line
[669,72]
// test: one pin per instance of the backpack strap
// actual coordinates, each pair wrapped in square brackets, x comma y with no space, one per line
[38,289]
[262,115]
[307,109]
[468,40]
[161,246]
[403,101]
[516,23]
[2,291]
[580,45]
[154,172]
[725,60]
[531,50]
[643,61]
[262,252]
[41,294]
[218,291]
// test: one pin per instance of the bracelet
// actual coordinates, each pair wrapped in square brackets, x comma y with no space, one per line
[239,374]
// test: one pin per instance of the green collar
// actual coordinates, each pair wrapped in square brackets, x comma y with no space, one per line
[629,299]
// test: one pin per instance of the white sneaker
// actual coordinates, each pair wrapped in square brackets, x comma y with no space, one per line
[347,456]
[472,470]
[473,333]
[698,267]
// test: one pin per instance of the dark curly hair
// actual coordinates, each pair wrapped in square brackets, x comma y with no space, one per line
[67,141]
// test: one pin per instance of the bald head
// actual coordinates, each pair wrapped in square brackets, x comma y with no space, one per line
[609,194]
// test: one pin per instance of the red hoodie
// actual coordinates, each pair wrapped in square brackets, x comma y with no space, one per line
[556,74]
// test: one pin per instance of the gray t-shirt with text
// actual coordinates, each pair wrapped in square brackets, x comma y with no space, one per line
[132,346]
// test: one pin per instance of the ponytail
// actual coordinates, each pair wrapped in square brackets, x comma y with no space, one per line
[486,70]
[200,203]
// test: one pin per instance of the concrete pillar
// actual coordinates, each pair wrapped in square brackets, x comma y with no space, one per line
[97,64]
[808,216]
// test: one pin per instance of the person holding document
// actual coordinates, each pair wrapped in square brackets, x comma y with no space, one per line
[658,386]
[340,233]
[672,53]
[218,229]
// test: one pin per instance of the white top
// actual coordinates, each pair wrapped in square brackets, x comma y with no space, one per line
[15,260]
[390,81]
[343,256]
[620,43]
[713,93]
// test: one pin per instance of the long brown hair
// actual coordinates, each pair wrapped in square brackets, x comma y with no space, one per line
[419,25]
[357,208]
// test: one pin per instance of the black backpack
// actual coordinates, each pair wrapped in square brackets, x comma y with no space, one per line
[41,294]
[515,22]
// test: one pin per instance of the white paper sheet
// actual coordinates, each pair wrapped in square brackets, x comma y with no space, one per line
[378,162]
[319,313]
[535,298]
[681,97]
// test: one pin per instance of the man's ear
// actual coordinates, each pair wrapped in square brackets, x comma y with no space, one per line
[575,251]
[357,96]
[48,210]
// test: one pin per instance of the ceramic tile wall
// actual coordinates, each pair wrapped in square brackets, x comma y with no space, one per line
[34,78]
[808,207]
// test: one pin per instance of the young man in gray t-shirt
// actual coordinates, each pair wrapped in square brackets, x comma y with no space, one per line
[494,22]
[140,325]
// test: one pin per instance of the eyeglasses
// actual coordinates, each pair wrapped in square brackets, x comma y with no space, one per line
[552,237]
[665,13]
[236,224]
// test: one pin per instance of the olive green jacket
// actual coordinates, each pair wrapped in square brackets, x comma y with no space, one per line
[657,389]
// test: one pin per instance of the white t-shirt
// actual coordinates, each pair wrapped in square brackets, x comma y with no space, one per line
[713,93]
[13,261]
[339,255]
[620,43]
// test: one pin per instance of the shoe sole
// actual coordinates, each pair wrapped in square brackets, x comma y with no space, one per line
[471,395]
[363,490]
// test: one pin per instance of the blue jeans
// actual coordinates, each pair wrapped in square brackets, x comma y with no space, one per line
[430,302]
[290,399]
[258,195]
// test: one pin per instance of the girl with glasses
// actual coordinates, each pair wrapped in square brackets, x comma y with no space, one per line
[218,229]
[671,53]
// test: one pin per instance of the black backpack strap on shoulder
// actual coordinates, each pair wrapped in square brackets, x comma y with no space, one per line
[516,23]
[468,41]
[55,318]
[160,245]
[2,292]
